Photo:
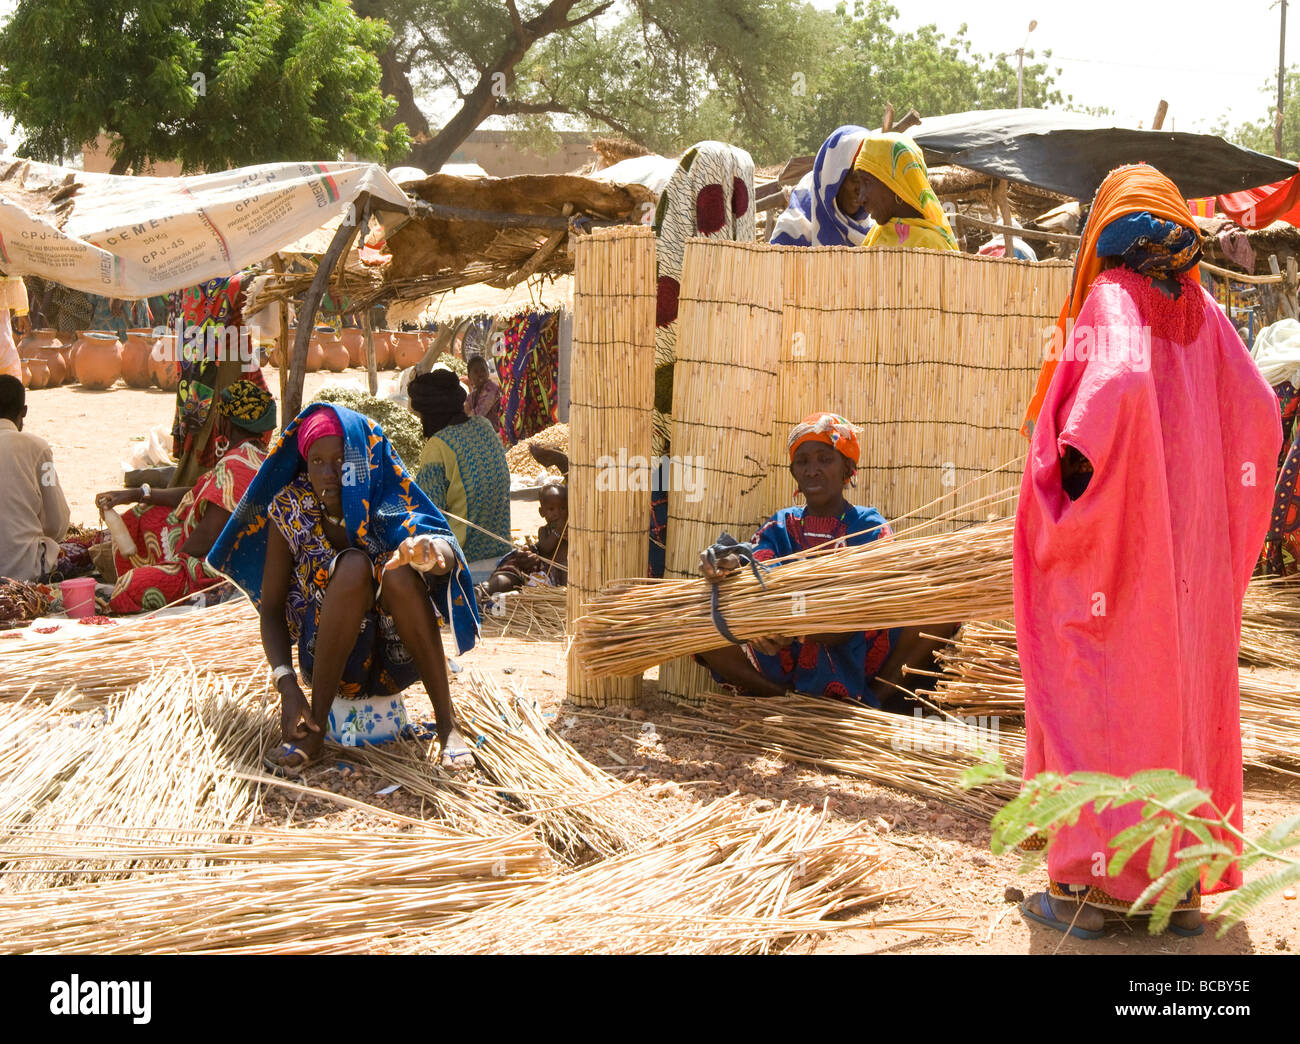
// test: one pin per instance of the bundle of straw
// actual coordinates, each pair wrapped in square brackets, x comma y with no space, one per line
[609,422]
[981,676]
[937,578]
[521,462]
[223,639]
[159,756]
[1270,622]
[724,384]
[537,613]
[921,755]
[725,879]
[579,808]
[267,891]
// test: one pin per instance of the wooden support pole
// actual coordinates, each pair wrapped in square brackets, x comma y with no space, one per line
[1158,120]
[1001,195]
[372,366]
[310,306]
[887,122]
[282,339]
[1023,233]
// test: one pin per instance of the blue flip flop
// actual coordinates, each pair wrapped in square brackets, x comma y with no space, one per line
[278,766]
[1048,919]
[1187,933]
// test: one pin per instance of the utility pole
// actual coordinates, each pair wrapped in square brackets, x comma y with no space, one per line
[1281,80]
[1020,66]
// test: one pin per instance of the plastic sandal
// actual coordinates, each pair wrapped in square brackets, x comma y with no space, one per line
[1048,919]
[284,765]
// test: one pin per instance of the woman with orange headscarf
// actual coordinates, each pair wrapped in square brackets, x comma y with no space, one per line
[1144,502]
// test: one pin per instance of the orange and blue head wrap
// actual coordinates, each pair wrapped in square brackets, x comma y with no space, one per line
[829,428]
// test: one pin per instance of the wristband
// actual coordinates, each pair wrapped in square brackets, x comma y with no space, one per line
[283,671]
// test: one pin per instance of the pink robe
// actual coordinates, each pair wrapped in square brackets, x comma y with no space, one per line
[1128,600]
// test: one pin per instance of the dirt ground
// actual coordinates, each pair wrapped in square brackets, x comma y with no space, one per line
[940,852]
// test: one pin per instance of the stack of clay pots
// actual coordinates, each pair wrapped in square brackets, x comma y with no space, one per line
[45,359]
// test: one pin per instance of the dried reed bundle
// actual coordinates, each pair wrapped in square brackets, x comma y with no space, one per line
[536,613]
[157,756]
[609,427]
[223,640]
[1270,622]
[269,891]
[731,305]
[579,808]
[925,756]
[725,879]
[981,676]
[521,462]
[935,578]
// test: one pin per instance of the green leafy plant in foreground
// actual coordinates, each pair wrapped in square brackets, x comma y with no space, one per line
[1169,803]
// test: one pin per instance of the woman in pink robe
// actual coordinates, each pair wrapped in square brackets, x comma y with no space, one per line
[1143,506]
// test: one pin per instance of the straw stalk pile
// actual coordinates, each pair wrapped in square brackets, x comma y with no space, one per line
[725,879]
[224,638]
[156,757]
[536,613]
[921,755]
[981,676]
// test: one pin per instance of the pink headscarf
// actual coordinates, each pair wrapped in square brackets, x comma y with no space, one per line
[319,424]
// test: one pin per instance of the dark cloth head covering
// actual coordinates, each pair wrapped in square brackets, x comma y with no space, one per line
[249,406]
[439,399]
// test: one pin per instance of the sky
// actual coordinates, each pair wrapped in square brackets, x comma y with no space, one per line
[1206,59]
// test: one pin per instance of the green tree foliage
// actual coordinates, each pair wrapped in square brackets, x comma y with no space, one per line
[775,76]
[661,72]
[1180,835]
[1258,135]
[211,83]
[873,64]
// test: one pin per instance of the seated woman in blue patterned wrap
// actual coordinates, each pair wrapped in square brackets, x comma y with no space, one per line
[330,542]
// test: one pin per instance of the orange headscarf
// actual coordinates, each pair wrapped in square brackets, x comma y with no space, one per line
[1126,190]
[829,428]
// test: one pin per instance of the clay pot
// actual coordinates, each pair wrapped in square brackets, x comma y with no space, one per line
[334,357]
[53,358]
[98,359]
[162,362]
[38,374]
[46,345]
[315,354]
[136,361]
[383,349]
[407,349]
[354,340]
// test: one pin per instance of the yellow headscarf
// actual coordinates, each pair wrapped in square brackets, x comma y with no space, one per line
[896,161]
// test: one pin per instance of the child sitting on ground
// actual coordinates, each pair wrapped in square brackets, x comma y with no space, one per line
[543,561]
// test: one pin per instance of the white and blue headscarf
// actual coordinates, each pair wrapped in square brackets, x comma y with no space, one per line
[812,218]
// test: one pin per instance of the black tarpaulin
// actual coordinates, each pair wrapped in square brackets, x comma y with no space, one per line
[1070,153]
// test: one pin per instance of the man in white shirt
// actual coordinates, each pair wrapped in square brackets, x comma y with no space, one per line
[33,512]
